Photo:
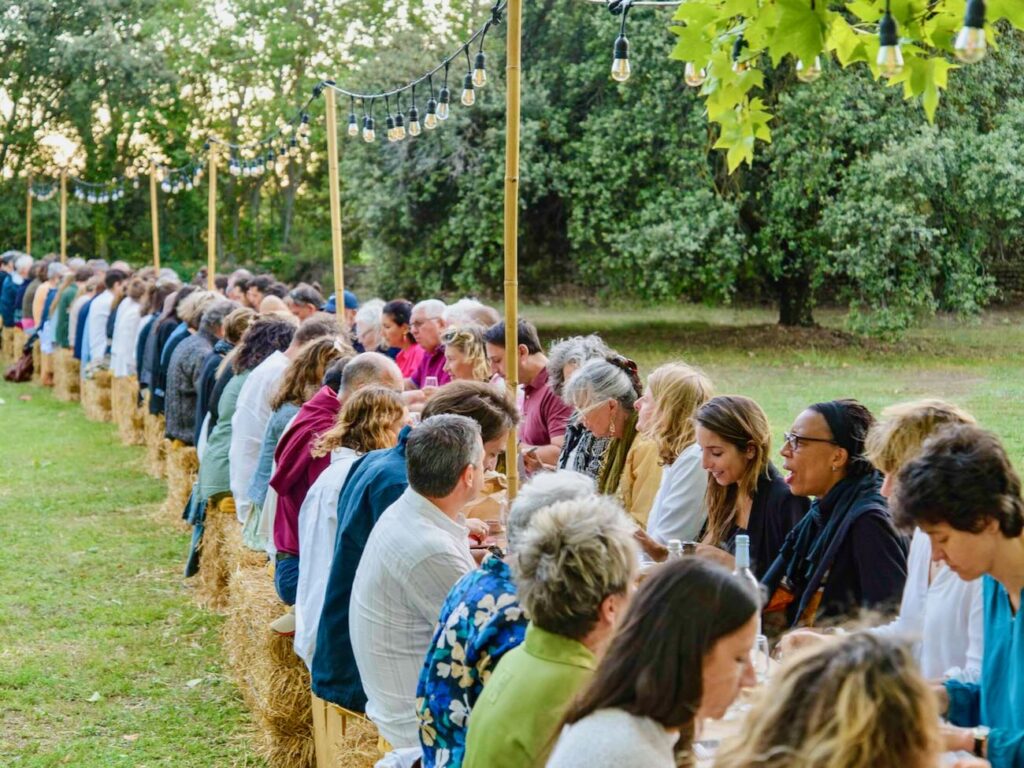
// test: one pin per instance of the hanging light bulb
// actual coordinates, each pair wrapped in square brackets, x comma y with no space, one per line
[694,76]
[890,55]
[304,126]
[468,92]
[480,69]
[369,135]
[444,99]
[390,123]
[353,124]
[430,120]
[415,129]
[739,64]
[970,45]
[808,73]
[293,147]
[620,62]
[399,126]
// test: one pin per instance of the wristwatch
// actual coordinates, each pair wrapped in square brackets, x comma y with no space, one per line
[980,734]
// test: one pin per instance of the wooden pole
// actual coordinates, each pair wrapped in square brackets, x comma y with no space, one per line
[335,196]
[28,218]
[211,227]
[154,216]
[63,216]
[514,22]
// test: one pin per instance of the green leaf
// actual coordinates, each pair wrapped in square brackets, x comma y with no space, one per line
[691,44]
[800,31]
[1011,10]
[846,42]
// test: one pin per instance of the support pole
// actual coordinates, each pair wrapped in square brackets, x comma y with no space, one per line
[335,199]
[514,25]
[28,218]
[154,216]
[64,216]
[211,227]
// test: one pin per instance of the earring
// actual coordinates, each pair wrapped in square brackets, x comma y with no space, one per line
[612,431]
[835,469]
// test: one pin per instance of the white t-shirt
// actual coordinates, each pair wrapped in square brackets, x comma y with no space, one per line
[96,325]
[943,619]
[413,558]
[679,511]
[126,332]
[613,738]
[318,529]
[249,423]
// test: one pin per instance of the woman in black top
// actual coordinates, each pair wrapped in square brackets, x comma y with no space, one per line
[845,555]
[745,494]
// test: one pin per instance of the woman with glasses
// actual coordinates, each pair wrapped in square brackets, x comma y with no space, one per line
[846,554]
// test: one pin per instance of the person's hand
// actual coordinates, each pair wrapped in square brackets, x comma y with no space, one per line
[800,638]
[478,530]
[718,555]
[530,460]
[972,762]
[955,739]
[654,550]
[941,696]
[429,392]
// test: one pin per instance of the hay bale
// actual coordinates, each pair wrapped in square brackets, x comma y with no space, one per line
[124,396]
[7,347]
[182,467]
[153,429]
[214,563]
[273,680]
[61,381]
[96,395]
[343,739]
[237,554]
[47,367]
[37,363]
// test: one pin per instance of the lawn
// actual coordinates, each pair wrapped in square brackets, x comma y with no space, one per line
[104,659]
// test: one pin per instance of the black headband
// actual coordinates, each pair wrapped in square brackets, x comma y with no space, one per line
[846,433]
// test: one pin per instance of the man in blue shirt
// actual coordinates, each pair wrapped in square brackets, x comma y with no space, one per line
[374,484]
[10,307]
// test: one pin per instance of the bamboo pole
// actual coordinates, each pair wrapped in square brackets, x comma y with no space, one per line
[211,227]
[28,218]
[514,15]
[154,216]
[63,216]
[335,198]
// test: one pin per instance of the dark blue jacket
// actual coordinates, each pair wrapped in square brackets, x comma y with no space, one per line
[83,315]
[8,301]
[374,483]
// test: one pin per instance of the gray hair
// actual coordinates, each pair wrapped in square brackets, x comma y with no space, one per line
[24,262]
[76,262]
[56,269]
[194,305]
[462,312]
[370,368]
[433,307]
[438,452]
[597,381]
[213,317]
[575,350]
[574,555]
[545,489]
[368,324]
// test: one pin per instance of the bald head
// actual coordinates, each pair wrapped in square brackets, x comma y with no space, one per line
[370,369]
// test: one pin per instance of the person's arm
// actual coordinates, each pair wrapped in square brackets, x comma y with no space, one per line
[960,702]
[681,512]
[880,558]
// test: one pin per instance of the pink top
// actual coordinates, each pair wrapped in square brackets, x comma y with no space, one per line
[544,412]
[409,360]
[432,364]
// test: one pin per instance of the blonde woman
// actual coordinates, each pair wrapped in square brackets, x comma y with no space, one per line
[746,494]
[369,421]
[465,355]
[674,393]
[857,703]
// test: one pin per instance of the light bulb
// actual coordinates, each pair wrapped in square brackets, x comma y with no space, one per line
[739,64]
[808,73]
[430,121]
[353,125]
[390,123]
[414,122]
[694,76]
[480,70]
[444,99]
[620,63]
[293,148]
[890,56]
[369,134]
[399,126]
[970,45]
[468,92]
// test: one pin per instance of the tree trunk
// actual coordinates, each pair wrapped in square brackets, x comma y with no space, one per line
[795,301]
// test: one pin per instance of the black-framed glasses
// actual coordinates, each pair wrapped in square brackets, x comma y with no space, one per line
[794,440]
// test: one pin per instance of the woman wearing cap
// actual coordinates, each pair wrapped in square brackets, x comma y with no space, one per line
[845,554]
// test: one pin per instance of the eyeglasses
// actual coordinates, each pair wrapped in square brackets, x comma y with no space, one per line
[793,440]
[421,323]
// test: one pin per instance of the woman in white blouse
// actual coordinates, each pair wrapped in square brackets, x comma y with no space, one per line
[674,393]
[940,613]
[126,330]
[369,421]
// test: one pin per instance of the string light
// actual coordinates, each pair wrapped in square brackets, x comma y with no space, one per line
[890,56]
[468,91]
[970,45]
[369,134]
[444,98]
[694,76]
[808,73]
[620,59]
[739,64]
[414,117]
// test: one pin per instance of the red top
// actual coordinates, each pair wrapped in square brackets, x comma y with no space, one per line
[544,412]
[297,470]
[409,360]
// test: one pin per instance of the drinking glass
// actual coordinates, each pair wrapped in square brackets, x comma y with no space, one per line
[430,382]
[760,657]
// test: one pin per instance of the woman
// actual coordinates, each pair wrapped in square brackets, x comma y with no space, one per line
[581,450]
[604,393]
[845,555]
[858,703]
[674,393]
[574,570]
[939,612]
[126,329]
[746,494]
[207,391]
[369,421]
[395,319]
[964,494]
[465,357]
[681,656]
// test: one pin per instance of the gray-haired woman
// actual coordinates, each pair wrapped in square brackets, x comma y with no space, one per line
[581,451]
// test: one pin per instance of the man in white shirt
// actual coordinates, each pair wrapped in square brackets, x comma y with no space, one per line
[415,554]
[99,313]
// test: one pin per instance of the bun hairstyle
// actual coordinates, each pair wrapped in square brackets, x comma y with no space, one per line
[629,368]
[849,421]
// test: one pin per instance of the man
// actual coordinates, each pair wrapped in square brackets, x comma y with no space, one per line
[10,308]
[544,413]
[297,470]
[238,283]
[416,552]
[376,482]
[304,301]
[257,290]
[99,311]
[427,324]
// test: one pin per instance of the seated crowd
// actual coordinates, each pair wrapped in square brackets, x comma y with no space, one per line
[598,619]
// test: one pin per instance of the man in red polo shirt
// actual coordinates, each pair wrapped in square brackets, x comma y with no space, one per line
[544,413]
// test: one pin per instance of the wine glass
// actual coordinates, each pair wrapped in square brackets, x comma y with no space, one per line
[760,658]
[430,382]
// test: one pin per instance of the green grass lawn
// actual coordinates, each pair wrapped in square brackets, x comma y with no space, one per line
[104,659]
